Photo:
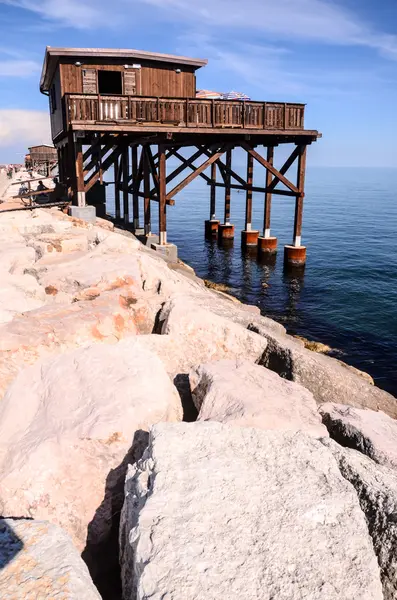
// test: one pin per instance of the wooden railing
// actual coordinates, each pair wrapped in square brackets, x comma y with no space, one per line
[180,112]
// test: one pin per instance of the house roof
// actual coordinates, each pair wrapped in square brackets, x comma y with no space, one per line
[52,56]
[43,146]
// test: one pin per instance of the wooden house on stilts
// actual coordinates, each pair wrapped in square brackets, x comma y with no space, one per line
[132,110]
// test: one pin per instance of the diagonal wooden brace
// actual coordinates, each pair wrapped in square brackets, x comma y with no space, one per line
[270,168]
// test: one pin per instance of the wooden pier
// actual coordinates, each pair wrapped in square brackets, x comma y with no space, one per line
[131,111]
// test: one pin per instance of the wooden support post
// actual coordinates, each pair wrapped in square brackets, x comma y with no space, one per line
[126,169]
[117,188]
[300,184]
[227,188]
[162,175]
[268,195]
[213,192]
[135,197]
[79,177]
[146,192]
[212,225]
[295,255]
[249,237]
[248,201]
[226,229]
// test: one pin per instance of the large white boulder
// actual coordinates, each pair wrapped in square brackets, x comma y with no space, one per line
[246,394]
[19,294]
[328,379]
[68,425]
[376,487]
[39,561]
[372,433]
[15,257]
[213,511]
[205,336]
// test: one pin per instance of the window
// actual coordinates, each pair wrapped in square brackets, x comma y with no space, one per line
[110,82]
[53,99]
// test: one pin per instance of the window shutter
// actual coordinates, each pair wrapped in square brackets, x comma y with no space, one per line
[130,83]
[89,81]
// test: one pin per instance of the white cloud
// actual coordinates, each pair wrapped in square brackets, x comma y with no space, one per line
[311,20]
[79,14]
[18,68]
[277,73]
[23,128]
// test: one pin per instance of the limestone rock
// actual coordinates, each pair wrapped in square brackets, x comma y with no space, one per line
[18,294]
[55,242]
[372,433]
[206,336]
[376,487]
[38,560]
[67,427]
[244,314]
[15,257]
[245,394]
[97,317]
[327,378]
[213,511]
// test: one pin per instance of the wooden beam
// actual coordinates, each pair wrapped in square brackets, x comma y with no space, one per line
[195,174]
[270,167]
[155,199]
[248,199]
[268,195]
[288,163]
[186,163]
[153,169]
[261,190]
[135,186]
[227,186]
[213,191]
[105,165]
[99,156]
[100,141]
[162,176]
[224,168]
[191,166]
[299,200]
[117,172]
[126,170]
[146,192]
[79,173]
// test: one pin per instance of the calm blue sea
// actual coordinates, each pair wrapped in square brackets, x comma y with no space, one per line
[347,296]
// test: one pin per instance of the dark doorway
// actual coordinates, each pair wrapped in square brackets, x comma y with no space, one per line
[110,82]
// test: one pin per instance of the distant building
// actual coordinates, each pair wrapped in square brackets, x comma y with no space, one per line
[41,158]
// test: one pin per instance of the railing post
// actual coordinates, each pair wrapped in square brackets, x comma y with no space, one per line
[213,113]
[158,109]
[243,115]
[264,108]
[285,115]
[187,112]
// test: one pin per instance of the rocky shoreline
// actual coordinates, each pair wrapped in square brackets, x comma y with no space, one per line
[183,444]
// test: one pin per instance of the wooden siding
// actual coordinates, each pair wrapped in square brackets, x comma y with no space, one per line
[151,80]
[56,113]
[43,153]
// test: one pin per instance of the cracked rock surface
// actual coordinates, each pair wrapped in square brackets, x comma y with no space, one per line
[214,511]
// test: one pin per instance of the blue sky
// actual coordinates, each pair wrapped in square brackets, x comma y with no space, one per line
[338,57]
